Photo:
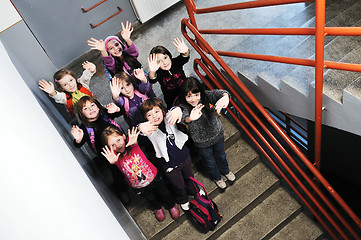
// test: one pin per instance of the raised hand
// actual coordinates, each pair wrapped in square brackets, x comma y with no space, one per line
[127,31]
[115,88]
[89,66]
[174,116]
[110,155]
[180,45]
[222,103]
[112,108]
[153,64]
[196,112]
[133,136]
[96,44]
[47,87]
[77,133]
[139,73]
[147,128]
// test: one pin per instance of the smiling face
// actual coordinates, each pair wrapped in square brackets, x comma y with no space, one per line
[164,61]
[155,115]
[68,83]
[115,48]
[193,98]
[91,111]
[127,89]
[117,142]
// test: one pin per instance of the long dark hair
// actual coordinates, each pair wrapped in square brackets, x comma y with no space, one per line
[162,50]
[191,84]
[80,104]
[132,62]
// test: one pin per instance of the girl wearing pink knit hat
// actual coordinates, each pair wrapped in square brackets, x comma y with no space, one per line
[118,56]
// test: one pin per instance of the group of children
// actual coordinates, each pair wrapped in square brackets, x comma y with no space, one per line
[153,156]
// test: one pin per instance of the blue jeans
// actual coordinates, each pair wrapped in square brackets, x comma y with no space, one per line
[214,159]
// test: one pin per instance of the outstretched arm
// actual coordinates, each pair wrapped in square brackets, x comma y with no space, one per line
[222,103]
[47,87]
[98,45]
[89,66]
[174,115]
[112,108]
[126,32]
[147,128]
[195,114]
[153,65]
[181,46]
[139,73]
[133,136]
[110,155]
[115,88]
[77,133]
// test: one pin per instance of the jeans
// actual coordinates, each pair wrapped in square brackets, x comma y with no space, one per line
[214,159]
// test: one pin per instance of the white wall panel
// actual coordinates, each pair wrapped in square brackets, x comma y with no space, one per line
[9,15]
[146,9]
[45,193]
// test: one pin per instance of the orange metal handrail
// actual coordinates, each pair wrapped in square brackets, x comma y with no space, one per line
[94,6]
[203,47]
[270,119]
[108,18]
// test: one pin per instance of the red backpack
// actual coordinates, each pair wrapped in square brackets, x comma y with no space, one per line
[204,211]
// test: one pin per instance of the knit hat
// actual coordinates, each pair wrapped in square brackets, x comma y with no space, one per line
[113,38]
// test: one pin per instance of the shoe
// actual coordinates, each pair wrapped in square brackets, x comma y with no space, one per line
[159,215]
[220,183]
[230,176]
[185,206]
[174,212]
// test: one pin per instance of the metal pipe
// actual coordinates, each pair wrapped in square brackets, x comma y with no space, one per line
[119,11]
[261,31]
[87,10]
[273,151]
[319,65]
[302,157]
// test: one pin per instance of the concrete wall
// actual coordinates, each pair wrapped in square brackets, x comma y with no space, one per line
[62,28]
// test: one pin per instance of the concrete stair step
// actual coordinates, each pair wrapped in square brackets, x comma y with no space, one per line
[273,45]
[354,88]
[300,228]
[263,220]
[277,71]
[307,73]
[251,188]
[335,81]
[241,157]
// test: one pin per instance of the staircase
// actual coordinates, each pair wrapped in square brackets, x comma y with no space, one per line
[256,206]
[290,88]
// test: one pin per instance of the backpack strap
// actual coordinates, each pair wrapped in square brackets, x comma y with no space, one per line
[69,99]
[69,104]
[126,101]
[91,137]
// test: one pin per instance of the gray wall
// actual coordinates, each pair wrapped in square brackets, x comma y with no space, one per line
[62,28]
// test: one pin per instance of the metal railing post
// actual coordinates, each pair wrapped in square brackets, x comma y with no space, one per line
[319,66]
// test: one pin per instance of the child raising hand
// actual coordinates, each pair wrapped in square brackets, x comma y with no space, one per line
[70,88]
[118,56]
[168,71]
